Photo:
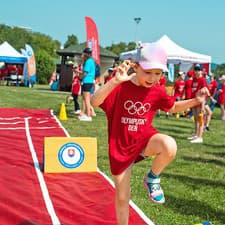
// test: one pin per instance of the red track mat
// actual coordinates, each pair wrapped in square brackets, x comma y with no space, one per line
[30,197]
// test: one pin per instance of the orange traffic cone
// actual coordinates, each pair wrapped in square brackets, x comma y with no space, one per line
[62,112]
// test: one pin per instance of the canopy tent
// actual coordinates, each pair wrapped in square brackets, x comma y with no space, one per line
[175,53]
[8,54]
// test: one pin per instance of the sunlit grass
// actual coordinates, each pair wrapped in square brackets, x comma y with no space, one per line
[194,184]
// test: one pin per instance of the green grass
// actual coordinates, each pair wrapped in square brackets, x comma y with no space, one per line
[194,183]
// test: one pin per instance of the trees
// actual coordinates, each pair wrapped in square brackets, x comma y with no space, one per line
[43,45]
[121,47]
[219,70]
[44,65]
[71,40]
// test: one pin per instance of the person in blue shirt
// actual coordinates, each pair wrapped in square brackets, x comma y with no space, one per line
[87,75]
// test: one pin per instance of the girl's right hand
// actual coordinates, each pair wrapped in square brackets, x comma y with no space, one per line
[121,74]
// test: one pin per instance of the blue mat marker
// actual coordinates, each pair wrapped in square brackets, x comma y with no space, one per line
[204,223]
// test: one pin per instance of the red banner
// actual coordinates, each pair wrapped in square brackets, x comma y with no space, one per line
[92,38]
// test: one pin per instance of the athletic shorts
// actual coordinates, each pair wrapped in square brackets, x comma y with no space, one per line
[86,87]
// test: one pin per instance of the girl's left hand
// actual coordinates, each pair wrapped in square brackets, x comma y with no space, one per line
[202,94]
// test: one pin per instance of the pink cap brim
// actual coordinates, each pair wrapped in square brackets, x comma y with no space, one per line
[149,66]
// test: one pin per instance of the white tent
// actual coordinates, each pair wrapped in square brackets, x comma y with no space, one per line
[8,54]
[177,54]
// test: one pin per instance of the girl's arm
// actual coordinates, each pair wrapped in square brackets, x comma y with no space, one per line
[100,95]
[185,104]
[120,77]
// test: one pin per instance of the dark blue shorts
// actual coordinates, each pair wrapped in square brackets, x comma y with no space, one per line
[86,87]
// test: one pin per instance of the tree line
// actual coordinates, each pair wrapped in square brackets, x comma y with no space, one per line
[45,48]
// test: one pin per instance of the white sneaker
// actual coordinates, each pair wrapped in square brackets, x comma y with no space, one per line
[192,137]
[85,118]
[197,140]
[77,112]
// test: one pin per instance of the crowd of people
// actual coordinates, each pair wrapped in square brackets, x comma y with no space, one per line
[11,72]
[185,87]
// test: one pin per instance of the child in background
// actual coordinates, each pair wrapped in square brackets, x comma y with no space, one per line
[162,83]
[110,75]
[221,97]
[130,103]
[178,88]
[198,83]
[212,86]
[188,90]
[76,90]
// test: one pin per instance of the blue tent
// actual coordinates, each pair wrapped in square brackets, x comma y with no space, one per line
[10,55]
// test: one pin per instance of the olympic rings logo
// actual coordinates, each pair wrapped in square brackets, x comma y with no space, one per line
[136,108]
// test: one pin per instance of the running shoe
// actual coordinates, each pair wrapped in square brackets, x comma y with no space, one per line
[154,190]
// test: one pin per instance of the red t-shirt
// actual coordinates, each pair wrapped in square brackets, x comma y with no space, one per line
[197,84]
[130,110]
[76,85]
[188,88]
[108,78]
[212,87]
[162,81]
[3,72]
[221,97]
[178,87]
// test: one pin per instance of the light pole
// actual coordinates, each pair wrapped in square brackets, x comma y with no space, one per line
[137,20]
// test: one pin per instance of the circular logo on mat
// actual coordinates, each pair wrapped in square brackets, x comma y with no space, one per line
[71,155]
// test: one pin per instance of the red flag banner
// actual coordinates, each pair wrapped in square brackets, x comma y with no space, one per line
[92,38]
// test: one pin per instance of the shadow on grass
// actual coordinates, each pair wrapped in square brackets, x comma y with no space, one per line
[215,146]
[217,154]
[174,130]
[202,160]
[194,182]
[194,207]
[181,127]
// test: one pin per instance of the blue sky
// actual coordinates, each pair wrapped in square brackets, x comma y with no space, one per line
[193,24]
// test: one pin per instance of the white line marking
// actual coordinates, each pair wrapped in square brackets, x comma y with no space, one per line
[132,204]
[12,122]
[48,202]
[31,128]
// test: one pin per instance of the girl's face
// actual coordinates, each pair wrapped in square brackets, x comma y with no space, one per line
[147,78]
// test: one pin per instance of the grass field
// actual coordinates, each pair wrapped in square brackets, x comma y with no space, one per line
[194,184]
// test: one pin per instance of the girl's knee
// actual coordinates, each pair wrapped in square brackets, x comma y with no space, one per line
[170,146]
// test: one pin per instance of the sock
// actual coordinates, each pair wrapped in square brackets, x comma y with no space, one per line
[152,175]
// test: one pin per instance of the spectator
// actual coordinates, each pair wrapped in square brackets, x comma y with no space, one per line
[221,97]
[110,74]
[188,90]
[212,86]
[87,75]
[162,83]
[178,88]
[76,91]
[198,83]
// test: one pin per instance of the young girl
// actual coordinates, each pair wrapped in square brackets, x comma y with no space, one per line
[130,103]
[198,82]
[221,97]
[76,91]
